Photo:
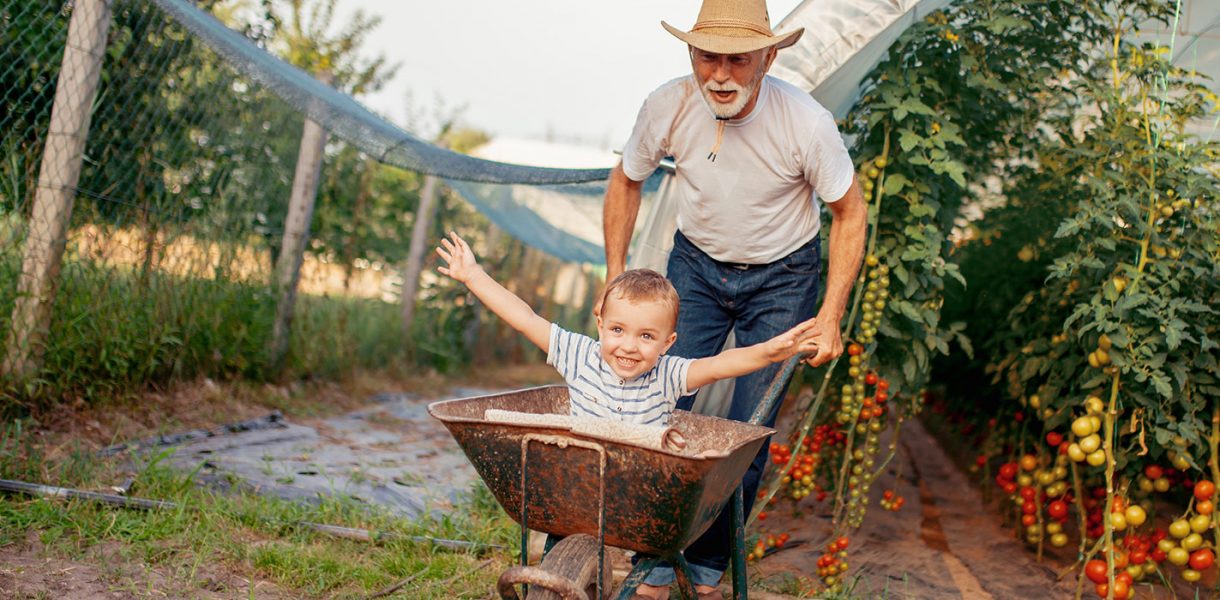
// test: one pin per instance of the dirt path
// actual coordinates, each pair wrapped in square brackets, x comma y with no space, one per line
[943,543]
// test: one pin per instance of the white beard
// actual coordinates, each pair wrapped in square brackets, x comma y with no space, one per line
[730,110]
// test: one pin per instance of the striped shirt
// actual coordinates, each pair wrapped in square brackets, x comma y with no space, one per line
[596,390]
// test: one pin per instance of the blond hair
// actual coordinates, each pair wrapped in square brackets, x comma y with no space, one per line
[647,285]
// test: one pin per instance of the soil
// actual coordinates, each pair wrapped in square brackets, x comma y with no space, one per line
[106,571]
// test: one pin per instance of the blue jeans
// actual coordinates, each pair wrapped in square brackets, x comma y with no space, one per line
[757,302]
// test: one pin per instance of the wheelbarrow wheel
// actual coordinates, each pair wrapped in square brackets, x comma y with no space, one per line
[568,572]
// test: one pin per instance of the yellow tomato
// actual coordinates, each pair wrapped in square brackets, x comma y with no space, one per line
[1136,516]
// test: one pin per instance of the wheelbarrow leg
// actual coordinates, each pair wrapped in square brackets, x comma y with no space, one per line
[739,546]
[646,565]
[682,573]
[636,577]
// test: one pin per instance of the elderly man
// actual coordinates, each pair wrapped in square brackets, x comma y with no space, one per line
[754,156]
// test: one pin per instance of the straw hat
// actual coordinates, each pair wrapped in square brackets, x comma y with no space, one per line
[733,27]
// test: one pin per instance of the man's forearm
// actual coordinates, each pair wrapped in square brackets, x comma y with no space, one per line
[618,219]
[847,237]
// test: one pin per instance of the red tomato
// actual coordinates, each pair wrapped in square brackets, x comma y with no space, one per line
[854,349]
[1008,471]
[1057,509]
[1204,490]
[1054,438]
[1202,559]
[1153,472]
[870,378]
[1096,571]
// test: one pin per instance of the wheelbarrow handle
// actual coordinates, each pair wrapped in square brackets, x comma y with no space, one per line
[776,390]
[535,576]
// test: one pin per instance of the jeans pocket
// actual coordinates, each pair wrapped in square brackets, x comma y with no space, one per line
[805,261]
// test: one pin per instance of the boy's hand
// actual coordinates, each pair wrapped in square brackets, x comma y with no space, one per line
[460,258]
[794,341]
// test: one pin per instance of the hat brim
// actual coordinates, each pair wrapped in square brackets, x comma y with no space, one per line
[711,41]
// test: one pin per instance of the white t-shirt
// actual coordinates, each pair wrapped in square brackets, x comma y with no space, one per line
[596,390]
[757,202]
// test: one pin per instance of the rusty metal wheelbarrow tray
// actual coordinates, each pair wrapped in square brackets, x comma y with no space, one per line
[654,501]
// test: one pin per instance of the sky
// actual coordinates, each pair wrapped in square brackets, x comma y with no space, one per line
[566,70]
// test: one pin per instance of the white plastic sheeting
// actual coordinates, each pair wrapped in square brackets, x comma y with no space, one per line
[843,41]
[1195,42]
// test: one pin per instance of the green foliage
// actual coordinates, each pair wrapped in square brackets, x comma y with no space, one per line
[1128,245]
[944,108]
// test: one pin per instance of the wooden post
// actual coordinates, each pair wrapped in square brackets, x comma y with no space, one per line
[416,252]
[61,165]
[296,233]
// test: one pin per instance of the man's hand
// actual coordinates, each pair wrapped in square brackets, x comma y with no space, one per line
[827,338]
[794,341]
[460,258]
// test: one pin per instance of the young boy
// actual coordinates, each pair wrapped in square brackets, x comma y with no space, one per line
[625,375]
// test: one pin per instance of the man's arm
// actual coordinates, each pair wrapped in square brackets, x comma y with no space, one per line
[463,267]
[848,229]
[621,208]
[742,361]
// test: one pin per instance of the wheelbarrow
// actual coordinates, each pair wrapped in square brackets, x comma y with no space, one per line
[596,491]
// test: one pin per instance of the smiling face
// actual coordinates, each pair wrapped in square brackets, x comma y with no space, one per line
[730,82]
[634,333]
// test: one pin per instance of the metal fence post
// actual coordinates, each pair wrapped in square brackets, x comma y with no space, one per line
[47,232]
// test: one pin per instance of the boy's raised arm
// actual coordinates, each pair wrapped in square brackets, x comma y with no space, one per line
[741,361]
[463,267]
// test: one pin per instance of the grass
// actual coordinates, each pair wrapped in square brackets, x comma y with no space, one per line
[116,331]
[260,538]
[238,545]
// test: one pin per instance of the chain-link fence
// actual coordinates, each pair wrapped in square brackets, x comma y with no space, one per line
[144,192]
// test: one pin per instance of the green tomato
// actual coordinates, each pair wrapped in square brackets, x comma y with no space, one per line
[1136,516]
[1192,542]
[1146,486]
[1200,523]
[1179,528]
[1097,458]
[1082,427]
[1178,556]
